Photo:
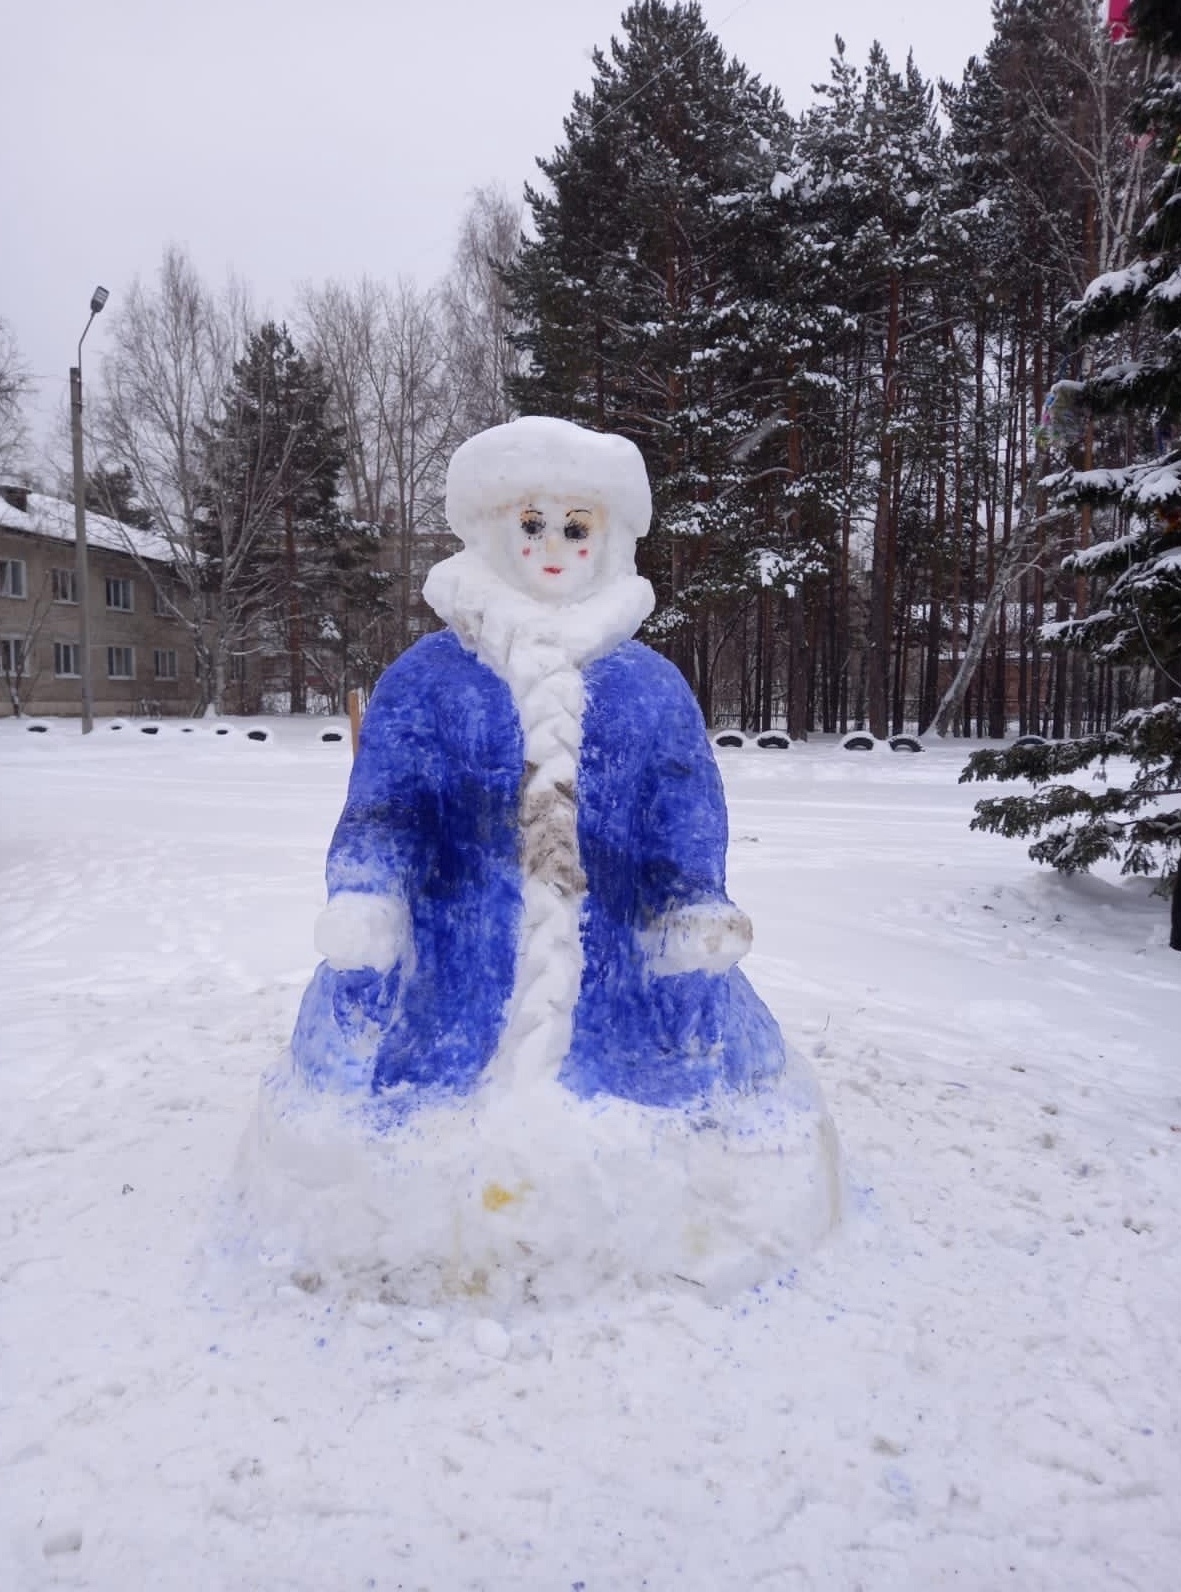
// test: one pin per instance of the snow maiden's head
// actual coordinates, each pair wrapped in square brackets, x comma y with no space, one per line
[555,510]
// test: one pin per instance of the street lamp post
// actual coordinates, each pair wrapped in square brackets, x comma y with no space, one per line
[81,568]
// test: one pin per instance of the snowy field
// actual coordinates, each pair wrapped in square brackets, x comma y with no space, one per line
[975,1384]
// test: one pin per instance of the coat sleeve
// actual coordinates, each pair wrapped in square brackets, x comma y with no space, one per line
[683,809]
[687,921]
[386,837]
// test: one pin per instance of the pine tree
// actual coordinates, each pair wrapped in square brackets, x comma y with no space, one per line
[111,491]
[277,460]
[770,509]
[1139,618]
[351,605]
[879,168]
[634,300]
[1048,178]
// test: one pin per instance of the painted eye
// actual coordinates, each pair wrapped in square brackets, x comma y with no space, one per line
[533,524]
[577,530]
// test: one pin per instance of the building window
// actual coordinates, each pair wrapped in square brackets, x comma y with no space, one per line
[163,603]
[12,577]
[12,656]
[237,666]
[65,589]
[121,663]
[119,593]
[67,660]
[164,660]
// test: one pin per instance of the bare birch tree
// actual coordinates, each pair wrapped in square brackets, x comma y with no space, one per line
[384,350]
[481,356]
[344,328]
[15,382]
[213,479]
[161,395]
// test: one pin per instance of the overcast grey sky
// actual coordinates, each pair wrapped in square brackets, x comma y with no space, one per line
[292,140]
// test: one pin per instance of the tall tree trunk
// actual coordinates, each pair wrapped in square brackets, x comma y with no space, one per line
[768,661]
[957,558]
[760,654]
[934,638]
[1079,659]
[797,685]
[1036,690]
[835,701]
[298,680]
[998,712]
[404,534]
[901,658]
[881,579]
[704,672]
[1061,672]
[977,493]
[1006,572]
[797,635]
[855,382]
[744,692]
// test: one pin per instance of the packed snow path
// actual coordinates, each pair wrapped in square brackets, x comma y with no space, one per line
[976,1384]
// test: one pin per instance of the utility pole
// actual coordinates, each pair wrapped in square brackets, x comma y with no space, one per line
[81,566]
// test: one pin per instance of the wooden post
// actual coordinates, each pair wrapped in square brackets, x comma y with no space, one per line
[355,717]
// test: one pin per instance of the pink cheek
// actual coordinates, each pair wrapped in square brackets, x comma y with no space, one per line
[583,551]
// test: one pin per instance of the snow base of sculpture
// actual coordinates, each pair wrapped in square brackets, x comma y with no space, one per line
[538,1198]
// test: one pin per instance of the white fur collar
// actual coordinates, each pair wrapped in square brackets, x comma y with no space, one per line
[492,618]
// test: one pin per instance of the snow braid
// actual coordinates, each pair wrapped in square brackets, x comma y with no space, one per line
[540,652]
[549,696]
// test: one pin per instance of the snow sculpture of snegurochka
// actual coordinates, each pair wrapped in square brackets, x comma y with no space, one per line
[528,1062]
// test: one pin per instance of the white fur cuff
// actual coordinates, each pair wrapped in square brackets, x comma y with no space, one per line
[357,930]
[709,937]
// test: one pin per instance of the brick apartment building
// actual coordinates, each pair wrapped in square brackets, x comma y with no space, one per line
[142,657]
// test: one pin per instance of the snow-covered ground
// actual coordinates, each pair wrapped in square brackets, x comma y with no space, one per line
[975,1384]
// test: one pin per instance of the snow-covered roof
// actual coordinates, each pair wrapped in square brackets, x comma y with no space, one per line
[54,517]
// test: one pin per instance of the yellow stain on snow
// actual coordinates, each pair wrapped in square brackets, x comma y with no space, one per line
[496,1196]
[698,1239]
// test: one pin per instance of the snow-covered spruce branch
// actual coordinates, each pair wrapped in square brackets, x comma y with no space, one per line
[1040,764]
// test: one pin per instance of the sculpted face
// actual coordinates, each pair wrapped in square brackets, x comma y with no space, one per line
[555,546]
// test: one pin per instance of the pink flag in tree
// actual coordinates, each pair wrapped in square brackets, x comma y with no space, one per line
[1117,20]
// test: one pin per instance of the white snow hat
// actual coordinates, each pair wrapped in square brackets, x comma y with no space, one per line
[507,464]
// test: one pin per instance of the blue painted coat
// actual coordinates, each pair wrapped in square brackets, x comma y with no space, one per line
[431,814]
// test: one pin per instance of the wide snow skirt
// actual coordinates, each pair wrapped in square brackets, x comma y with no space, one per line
[539,1197]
